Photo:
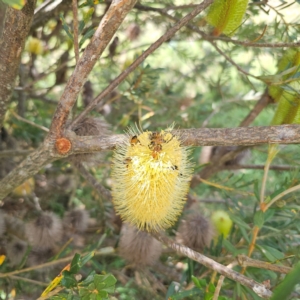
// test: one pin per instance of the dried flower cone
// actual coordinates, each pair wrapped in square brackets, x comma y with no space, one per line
[16,249]
[138,247]
[76,220]
[87,127]
[196,232]
[151,174]
[45,231]
[40,256]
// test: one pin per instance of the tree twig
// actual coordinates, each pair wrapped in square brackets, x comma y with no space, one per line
[257,287]
[245,261]
[199,8]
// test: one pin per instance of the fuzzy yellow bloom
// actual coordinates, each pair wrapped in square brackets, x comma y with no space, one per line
[35,46]
[151,174]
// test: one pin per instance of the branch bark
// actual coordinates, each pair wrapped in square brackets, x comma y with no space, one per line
[243,136]
[257,287]
[16,27]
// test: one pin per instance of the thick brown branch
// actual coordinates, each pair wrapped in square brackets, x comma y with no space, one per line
[283,134]
[15,30]
[241,136]
[29,167]
[105,31]
[257,287]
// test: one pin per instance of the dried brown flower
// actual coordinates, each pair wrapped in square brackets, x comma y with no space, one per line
[196,232]
[37,257]
[76,220]
[138,247]
[133,31]
[87,127]
[15,250]
[45,231]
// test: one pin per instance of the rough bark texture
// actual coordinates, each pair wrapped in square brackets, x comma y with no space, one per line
[16,27]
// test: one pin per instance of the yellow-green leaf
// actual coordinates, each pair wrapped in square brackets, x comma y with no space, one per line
[226,15]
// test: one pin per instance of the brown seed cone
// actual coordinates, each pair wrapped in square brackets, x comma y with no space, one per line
[15,251]
[76,220]
[138,247]
[196,232]
[40,256]
[87,127]
[45,231]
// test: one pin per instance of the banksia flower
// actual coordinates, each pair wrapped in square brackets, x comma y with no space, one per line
[15,250]
[76,220]
[89,126]
[45,231]
[138,247]
[196,232]
[151,173]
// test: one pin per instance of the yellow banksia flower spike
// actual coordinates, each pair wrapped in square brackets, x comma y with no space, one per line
[226,15]
[151,173]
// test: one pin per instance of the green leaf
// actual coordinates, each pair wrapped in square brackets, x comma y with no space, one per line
[199,283]
[66,27]
[75,267]
[239,221]
[68,279]
[286,287]
[16,4]
[87,35]
[259,219]
[226,16]
[229,247]
[84,259]
[270,253]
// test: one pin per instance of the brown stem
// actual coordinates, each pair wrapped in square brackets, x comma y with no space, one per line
[245,261]
[258,288]
[15,30]
[75,29]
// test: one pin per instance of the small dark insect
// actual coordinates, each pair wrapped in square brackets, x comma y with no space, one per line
[127,161]
[174,168]
[134,140]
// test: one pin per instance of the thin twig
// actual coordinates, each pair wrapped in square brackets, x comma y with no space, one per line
[29,122]
[279,196]
[141,58]
[220,282]
[257,167]
[103,251]
[35,282]
[245,261]
[257,287]
[105,193]
[75,29]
